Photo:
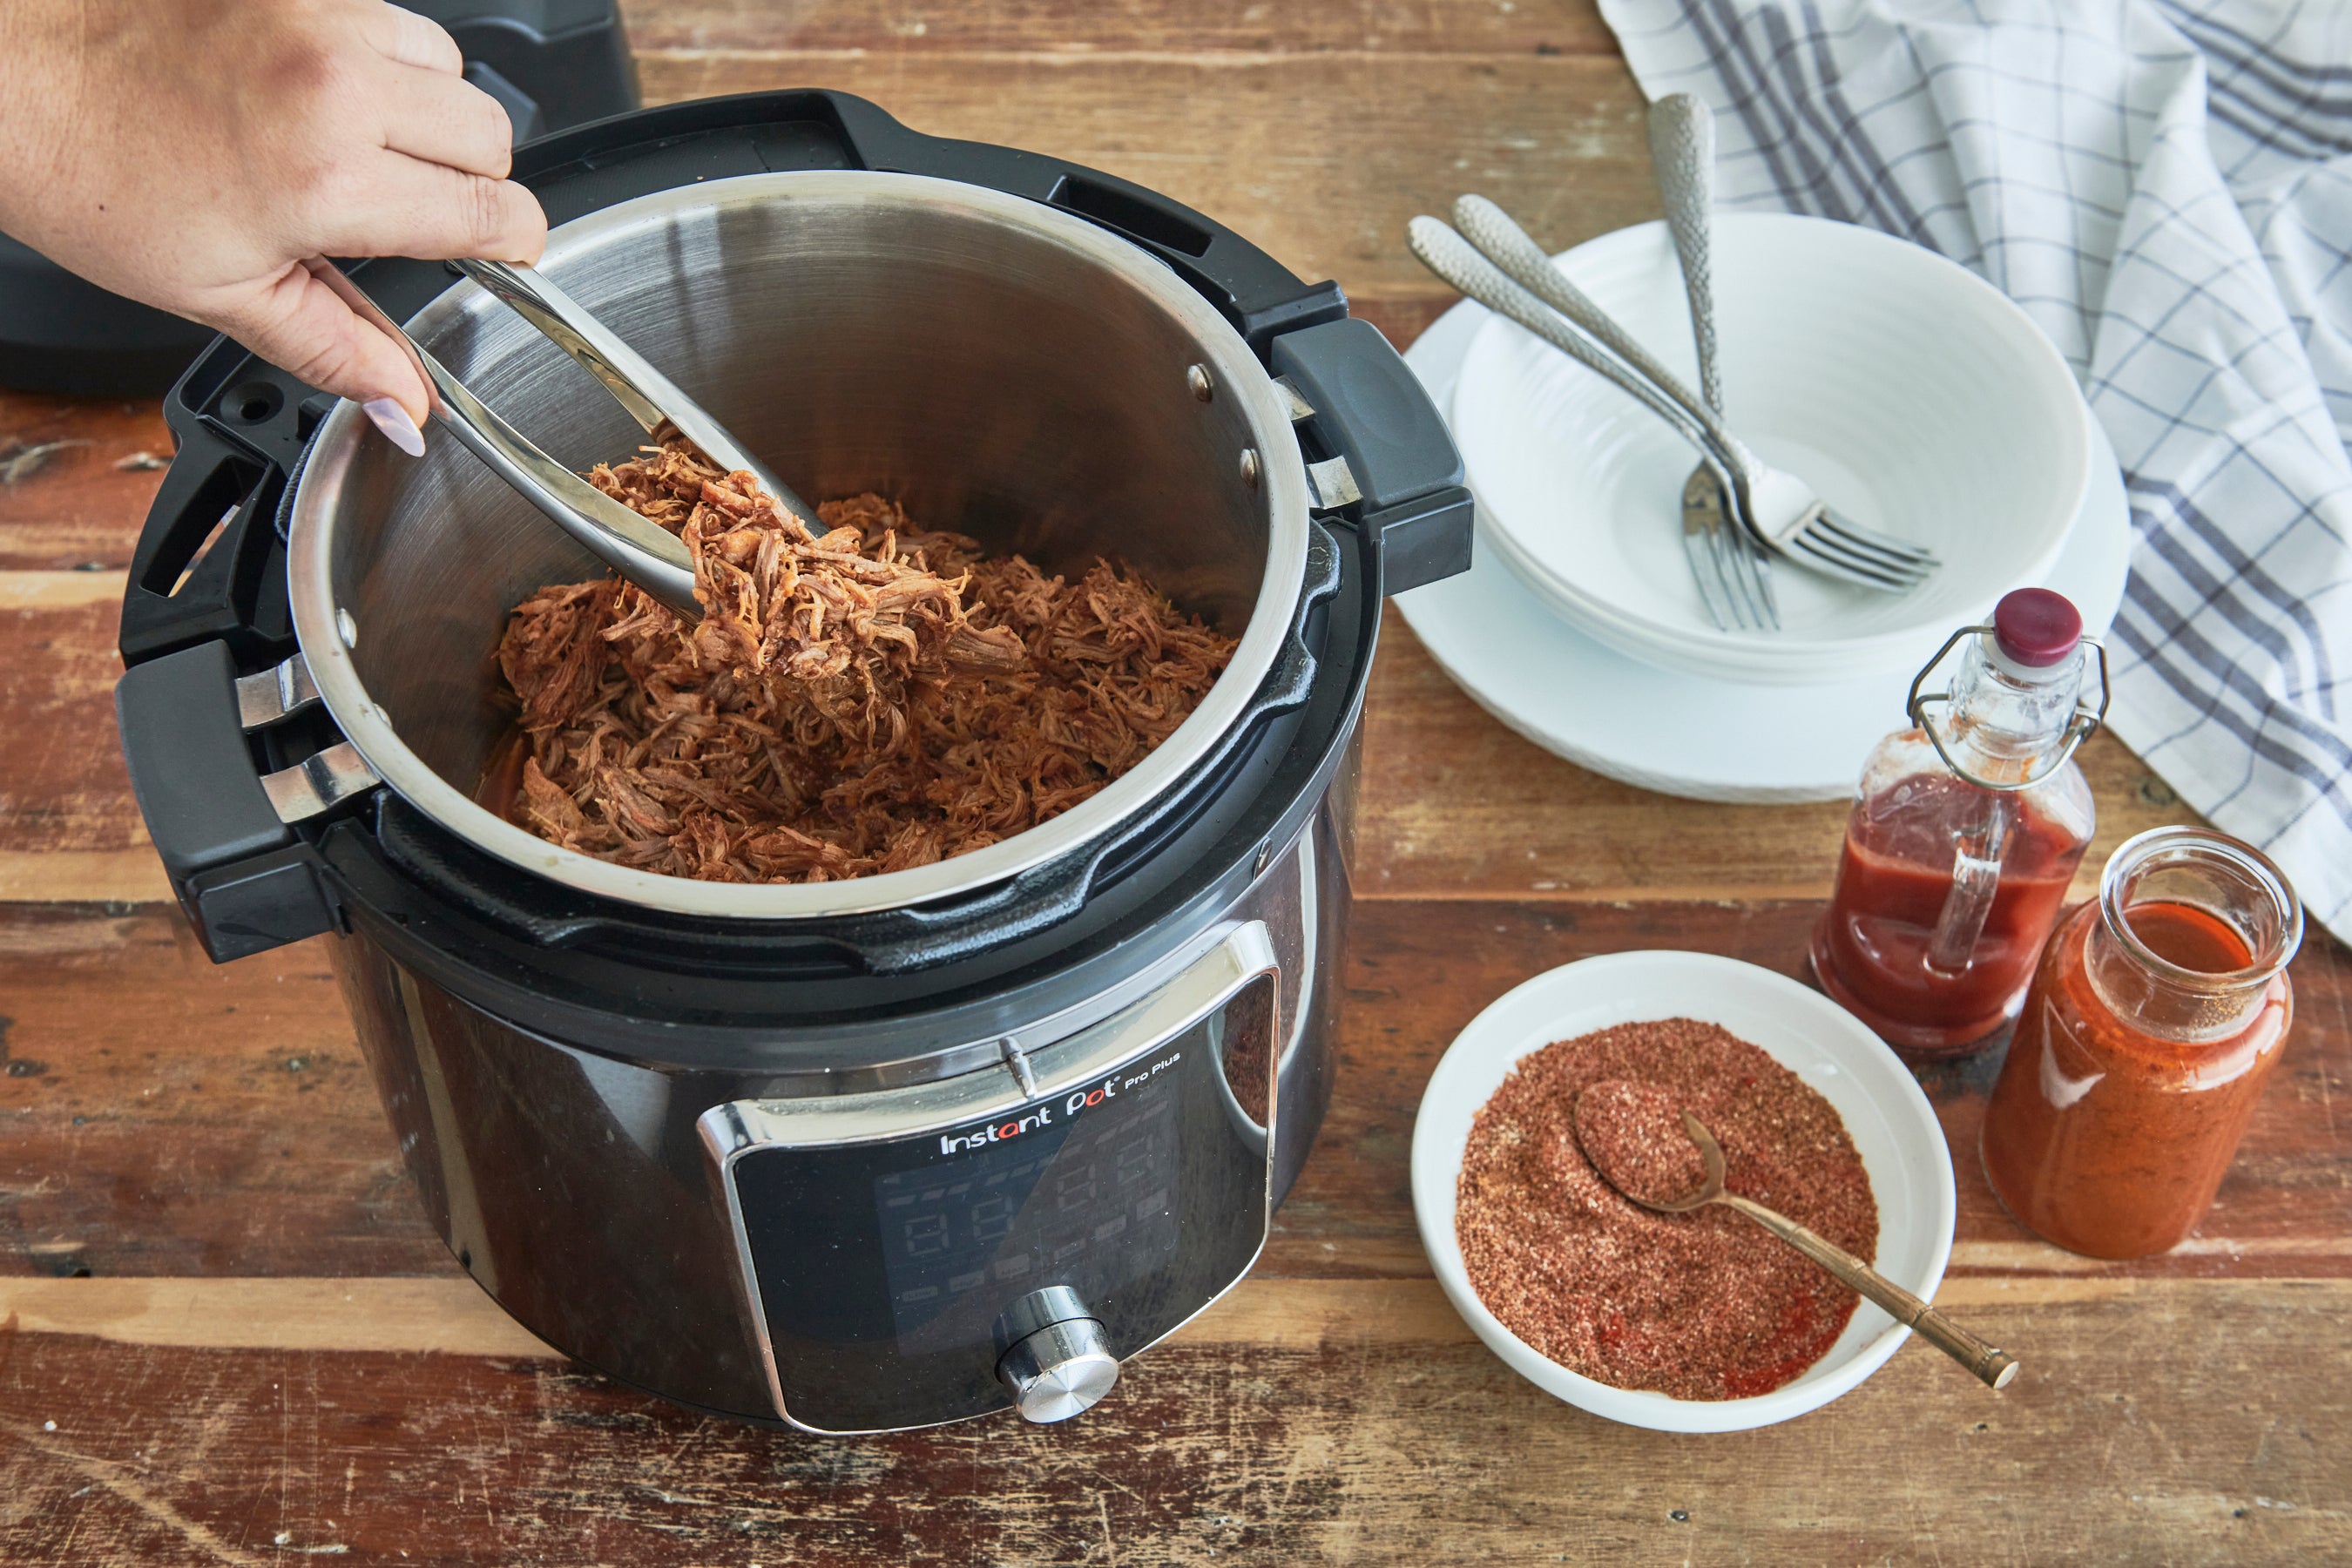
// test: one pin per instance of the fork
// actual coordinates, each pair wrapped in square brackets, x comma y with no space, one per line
[1782,511]
[1458,262]
[1682,153]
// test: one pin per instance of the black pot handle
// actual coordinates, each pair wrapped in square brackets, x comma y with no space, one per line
[1400,476]
[208,561]
[245,879]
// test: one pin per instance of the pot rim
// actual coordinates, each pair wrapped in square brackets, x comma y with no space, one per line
[1282,483]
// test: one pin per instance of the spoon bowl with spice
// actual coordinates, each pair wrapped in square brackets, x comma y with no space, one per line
[1696,1321]
[1627,1130]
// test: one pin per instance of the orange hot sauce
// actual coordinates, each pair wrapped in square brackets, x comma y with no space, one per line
[2154,1018]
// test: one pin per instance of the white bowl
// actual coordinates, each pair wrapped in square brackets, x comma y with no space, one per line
[1660,729]
[1894,1129]
[1914,396]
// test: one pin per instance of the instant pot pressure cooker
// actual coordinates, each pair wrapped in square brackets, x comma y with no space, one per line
[860,1156]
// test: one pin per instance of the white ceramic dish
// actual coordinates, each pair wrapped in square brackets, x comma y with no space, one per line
[1916,396]
[1894,1129]
[1683,734]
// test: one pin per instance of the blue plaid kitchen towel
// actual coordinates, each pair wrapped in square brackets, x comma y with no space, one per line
[2167,188]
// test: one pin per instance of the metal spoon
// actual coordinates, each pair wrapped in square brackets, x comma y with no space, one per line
[1992,1366]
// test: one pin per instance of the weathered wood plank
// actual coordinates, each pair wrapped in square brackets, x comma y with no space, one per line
[1321,161]
[62,784]
[75,479]
[452,1316]
[1456,805]
[1126,27]
[1256,1443]
[163,1116]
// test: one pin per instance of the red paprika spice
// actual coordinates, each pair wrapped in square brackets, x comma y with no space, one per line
[1704,1305]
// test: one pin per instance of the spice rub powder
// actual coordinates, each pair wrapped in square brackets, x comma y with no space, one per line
[1704,1305]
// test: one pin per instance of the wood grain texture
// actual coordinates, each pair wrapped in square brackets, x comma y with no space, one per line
[1254,1446]
[1454,805]
[73,472]
[1320,160]
[218,1121]
[215,1281]
[1120,28]
[62,783]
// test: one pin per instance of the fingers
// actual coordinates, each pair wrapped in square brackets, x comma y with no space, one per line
[444,120]
[416,208]
[410,39]
[297,323]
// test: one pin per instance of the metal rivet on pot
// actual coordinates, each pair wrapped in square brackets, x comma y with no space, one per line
[347,628]
[1249,466]
[1197,378]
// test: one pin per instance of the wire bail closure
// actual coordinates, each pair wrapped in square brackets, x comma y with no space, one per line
[2087,718]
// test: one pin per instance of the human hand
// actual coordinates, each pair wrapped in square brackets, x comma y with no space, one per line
[191,154]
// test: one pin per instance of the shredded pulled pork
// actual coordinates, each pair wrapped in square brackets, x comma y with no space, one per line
[868,698]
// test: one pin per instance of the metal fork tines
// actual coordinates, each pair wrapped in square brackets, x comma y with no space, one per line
[1735,590]
[1779,508]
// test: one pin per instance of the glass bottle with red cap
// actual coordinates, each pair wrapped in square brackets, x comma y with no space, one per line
[1966,834]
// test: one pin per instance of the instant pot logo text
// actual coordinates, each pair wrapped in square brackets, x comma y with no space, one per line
[1077,1102]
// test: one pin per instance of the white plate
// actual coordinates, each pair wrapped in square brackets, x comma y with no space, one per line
[1917,397]
[1893,1126]
[1684,734]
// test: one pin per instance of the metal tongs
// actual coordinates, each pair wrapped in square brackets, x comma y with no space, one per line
[644,552]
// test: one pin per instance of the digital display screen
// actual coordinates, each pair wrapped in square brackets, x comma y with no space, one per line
[883,1267]
[1025,1203]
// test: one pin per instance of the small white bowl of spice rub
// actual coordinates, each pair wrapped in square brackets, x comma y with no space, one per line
[1692,1322]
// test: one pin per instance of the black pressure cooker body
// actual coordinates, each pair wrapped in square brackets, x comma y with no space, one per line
[864,1171]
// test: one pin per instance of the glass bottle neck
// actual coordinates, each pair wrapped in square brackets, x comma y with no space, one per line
[2004,721]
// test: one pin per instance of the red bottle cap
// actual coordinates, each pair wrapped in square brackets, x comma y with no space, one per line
[2036,628]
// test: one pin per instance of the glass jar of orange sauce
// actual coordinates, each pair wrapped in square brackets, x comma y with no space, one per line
[2152,1024]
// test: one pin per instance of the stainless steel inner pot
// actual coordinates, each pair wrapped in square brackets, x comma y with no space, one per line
[1000,367]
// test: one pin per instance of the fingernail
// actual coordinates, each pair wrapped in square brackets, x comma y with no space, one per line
[398,429]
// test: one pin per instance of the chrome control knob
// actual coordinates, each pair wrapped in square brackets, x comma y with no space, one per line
[1058,1361]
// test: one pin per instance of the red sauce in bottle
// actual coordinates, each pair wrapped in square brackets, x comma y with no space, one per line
[2106,1132]
[1870,951]
[1964,838]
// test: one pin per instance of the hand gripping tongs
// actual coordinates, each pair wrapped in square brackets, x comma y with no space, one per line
[644,552]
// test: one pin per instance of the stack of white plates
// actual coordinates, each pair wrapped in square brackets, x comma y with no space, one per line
[1911,393]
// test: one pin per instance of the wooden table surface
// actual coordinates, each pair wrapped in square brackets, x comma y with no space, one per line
[226,1334]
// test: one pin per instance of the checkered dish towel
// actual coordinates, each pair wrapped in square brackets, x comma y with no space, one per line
[2167,188]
